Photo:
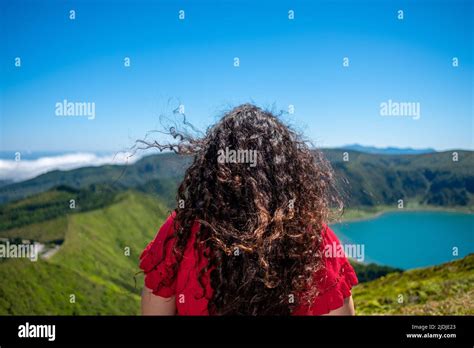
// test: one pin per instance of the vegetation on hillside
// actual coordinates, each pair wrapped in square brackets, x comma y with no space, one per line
[366,180]
[439,290]
[118,207]
[371,271]
[160,169]
[59,201]
[434,179]
[92,264]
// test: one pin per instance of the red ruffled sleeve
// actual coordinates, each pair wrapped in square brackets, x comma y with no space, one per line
[334,281]
[158,267]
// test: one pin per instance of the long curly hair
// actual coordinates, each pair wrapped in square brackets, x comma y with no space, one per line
[262,198]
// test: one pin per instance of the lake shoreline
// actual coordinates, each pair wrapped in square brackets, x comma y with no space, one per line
[410,238]
[379,211]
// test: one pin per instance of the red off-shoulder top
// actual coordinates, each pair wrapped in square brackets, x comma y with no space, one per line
[334,281]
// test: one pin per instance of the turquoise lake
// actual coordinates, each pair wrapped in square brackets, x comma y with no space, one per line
[411,239]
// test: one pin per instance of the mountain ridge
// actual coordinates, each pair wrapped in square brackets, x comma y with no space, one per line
[389,150]
[364,179]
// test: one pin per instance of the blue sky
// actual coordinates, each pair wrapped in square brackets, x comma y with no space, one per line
[190,61]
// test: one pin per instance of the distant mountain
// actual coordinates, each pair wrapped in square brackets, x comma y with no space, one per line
[151,172]
[365,179]
[387,150]
[427,179]
[5,182]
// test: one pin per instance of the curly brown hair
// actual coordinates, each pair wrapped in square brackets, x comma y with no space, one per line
[261,221]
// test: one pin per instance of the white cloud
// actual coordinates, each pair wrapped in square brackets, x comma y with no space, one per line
[27,169]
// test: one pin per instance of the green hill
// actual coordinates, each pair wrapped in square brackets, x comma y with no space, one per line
[371,271]
[157,172]
[368,180]
[427,179]
[91,263]
[440,290]
[57,202]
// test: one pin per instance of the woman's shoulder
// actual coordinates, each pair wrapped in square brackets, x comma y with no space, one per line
[334,280]
[337,265]
[154,249]
[157,257]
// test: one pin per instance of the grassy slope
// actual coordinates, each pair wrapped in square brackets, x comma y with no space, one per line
[43,232]
[90,264]
[439,290]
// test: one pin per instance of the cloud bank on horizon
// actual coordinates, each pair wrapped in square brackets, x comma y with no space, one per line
[12,170]
[24,169]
